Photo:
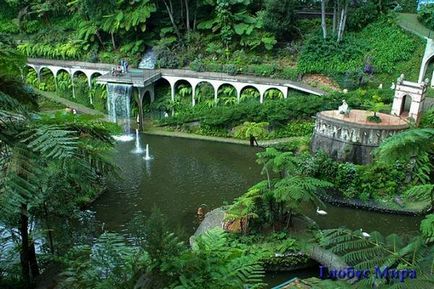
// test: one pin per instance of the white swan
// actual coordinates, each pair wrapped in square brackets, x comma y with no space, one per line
[320,212]
[364,234]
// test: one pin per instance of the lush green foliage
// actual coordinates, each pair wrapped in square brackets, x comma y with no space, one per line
[285,117]
[275,201]
[392,251]
[51,164]
[426,15]
[375,181]
[248,129]
[370,46]
[156,258]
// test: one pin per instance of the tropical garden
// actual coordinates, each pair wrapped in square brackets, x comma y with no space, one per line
[55,164]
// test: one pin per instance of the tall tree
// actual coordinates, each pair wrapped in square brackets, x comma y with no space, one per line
[27,144]
[323,18]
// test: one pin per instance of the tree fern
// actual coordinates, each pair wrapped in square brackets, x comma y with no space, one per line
[405,145]
[421,193]
[368,252]
[427,228]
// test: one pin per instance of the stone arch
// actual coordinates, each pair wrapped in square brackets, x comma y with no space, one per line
[405,105]
[31,69]
[31,66]
[184,89]
[95,74]
[161,86]
[47,79]
[63,70]
[427,59]
[45,68]
[228,91]
[406,91]
[249,92]
[64,83]
[201,92]
[273,93]
[78,72]
[80,85]
[91,76]
[147,98]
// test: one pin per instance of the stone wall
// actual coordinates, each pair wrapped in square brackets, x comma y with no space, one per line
[346,141]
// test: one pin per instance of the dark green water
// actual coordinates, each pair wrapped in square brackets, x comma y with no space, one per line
[184,174]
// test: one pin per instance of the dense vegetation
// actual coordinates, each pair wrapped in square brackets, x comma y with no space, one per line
[267,38]
[53,164]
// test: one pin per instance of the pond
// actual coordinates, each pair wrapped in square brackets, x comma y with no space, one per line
[185,174]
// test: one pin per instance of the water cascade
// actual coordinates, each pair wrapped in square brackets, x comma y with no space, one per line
[147,156]
[118,107]
[148,61]
[138,149]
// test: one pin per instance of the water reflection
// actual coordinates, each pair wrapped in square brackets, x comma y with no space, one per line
[187,173]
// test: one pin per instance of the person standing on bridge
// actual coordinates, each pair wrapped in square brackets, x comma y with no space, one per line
[126,66]
[122,65]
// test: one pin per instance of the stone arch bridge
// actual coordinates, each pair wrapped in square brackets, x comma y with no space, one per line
[144,80]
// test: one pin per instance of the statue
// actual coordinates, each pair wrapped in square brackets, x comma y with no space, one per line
[392,87]
[400,79]
[344,109]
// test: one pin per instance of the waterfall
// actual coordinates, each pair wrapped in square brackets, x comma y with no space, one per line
[118,107]
[148,61]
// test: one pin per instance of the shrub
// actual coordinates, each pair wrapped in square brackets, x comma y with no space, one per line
[290,73]
[408,6]
[362,16]
[329,57]
[294,129]
[428,119]
[262,69]
[349,56]
[197,65]
[167,58]
[230,69]
[8,26]
[426,15]
[67,50]
[247,129]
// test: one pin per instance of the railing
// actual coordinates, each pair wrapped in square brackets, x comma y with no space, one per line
[151,73]
[68,63]
[283,285]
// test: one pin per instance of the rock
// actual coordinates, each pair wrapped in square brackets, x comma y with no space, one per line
[399,201]
[213,219]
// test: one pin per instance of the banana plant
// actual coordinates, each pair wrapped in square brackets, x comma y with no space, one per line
[273,94]
[184,91]
[249,93]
